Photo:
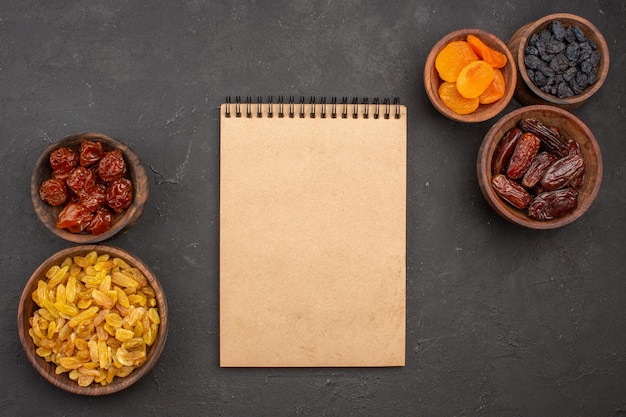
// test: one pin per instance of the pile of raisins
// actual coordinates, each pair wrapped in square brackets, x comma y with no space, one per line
[90,182]
[538,170]
[562,61]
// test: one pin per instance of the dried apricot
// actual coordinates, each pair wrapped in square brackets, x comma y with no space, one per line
[452,58]
[494,58]
[474,79]
[451,97]
[496,89]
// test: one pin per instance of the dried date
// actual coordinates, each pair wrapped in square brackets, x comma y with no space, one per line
[537,169]
[525,150]
[562,172]
[553,204]
[551,140]
[505,149]
[511,191]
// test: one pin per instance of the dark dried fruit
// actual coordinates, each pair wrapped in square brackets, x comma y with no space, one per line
[505,149]
[537,169]
[561,49]
[525,150]
[553,204]
[511,191]
[562,172]
[53,191]
[550,140]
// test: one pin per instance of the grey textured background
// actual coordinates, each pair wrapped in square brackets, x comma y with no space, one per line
[501,321]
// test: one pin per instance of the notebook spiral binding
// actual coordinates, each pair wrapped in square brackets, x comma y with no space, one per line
[333,109]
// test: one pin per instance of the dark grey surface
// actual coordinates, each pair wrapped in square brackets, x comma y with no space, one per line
[501,321]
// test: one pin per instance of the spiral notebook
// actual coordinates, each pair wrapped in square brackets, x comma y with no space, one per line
[312,233]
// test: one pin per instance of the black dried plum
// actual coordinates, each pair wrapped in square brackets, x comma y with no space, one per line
[582,78]
[532,61]
[546,70]
[564,90]
[559,63]
[554,46]
[539,79]
[557,30]
[595,58]
[572,51]
[569,73]
[586,66]
[578,33]
[531,50]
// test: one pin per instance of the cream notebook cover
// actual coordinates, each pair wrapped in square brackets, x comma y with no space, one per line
[312,234]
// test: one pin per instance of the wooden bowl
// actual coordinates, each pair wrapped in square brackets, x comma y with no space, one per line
[570,127]
[136,173]
[432,81]
[47,369]
[526,92]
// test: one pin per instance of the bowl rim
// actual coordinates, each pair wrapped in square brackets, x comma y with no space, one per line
[62,381]
[124,221]
[483,164]
[587,27]
[429,71]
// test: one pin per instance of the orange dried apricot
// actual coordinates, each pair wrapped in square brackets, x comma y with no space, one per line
[452,58]
[474,79]
[494,58]
[452,99]
[496,89]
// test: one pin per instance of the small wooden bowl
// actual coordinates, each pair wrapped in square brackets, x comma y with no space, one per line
[135,172]
[570,127]
[47,369]
[484,111]
[526,92]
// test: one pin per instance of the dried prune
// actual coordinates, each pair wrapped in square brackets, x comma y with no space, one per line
[90,152]
[53,191]
[101,222]
[525,150]
[95,198]
[511,191]
[553,204]
[112,166]
[74,217]
[81,180]
[120,195]
[63,160]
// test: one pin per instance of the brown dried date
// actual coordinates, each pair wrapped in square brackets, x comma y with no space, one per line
[550,139]
[537,169]
[552,204]
[511,191]
[525,150]
[562,172]
[505,149]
